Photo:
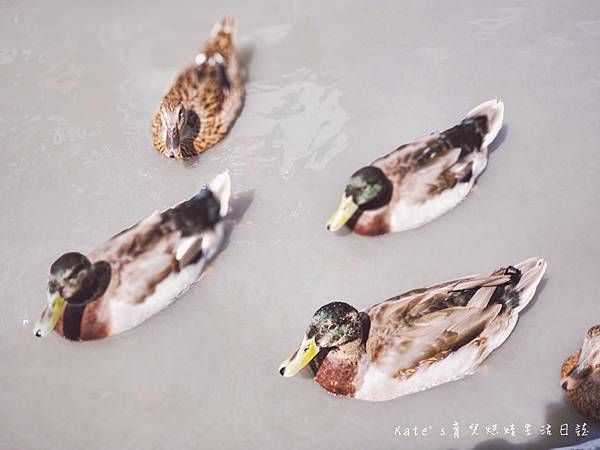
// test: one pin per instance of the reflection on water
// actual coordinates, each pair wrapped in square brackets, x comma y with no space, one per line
[145,79]
[268,35]
[62,76]
[503,17]
[302,118]
[592,27]
[561,42]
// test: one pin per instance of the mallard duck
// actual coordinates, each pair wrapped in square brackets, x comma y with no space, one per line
[417,340]
[205,99]
[419,182]
[580,376]
[137,272]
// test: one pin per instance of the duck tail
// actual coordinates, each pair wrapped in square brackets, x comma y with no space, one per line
[532,270]
[493,110]
[223,33]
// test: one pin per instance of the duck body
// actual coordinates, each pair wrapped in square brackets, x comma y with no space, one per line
[580,376]
[422,180]
[419,339]
[203,103]
[149,264]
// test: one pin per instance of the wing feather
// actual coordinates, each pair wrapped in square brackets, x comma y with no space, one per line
[423,323]
[427,167]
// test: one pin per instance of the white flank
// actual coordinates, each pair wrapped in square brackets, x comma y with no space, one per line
[410,213]
[378,386]
[407,214]
[125,315]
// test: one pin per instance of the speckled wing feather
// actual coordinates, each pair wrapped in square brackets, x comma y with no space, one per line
[435,163]
[145,254]
[141,257]
[211,89]
[406,330]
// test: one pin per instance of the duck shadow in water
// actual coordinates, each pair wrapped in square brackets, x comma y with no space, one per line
[245,55]
[499,139]
[239,206]
[538,293]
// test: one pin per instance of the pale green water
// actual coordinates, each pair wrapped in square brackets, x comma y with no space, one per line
[330,87]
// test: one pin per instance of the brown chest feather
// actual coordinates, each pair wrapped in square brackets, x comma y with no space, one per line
[370,223]
[337,375]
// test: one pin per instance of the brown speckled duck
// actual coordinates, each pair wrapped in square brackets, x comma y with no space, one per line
[580,376]
[416,340]
[137,272]
[206,98]
[419,182]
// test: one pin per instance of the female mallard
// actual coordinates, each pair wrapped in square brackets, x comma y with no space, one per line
[580,376]
[206,98]
[417,340]
[419,182]
[137,272]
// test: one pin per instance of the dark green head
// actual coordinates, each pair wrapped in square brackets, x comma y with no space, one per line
[77,280]
[74,281]
[332,326]
[368,189]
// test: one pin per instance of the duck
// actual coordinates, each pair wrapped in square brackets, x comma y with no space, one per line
[580,376]
[138,272]
[420,181]
[416,340]
[203,103]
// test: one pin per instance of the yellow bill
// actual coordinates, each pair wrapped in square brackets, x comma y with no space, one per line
[300,358]
[342,214]
[50,315]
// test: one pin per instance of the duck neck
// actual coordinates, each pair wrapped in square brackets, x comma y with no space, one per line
[338,368]
[353,351]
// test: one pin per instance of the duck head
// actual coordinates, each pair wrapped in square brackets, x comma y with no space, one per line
[75,281]
[368,189]
[333,326]
[588,363]
[174,118]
